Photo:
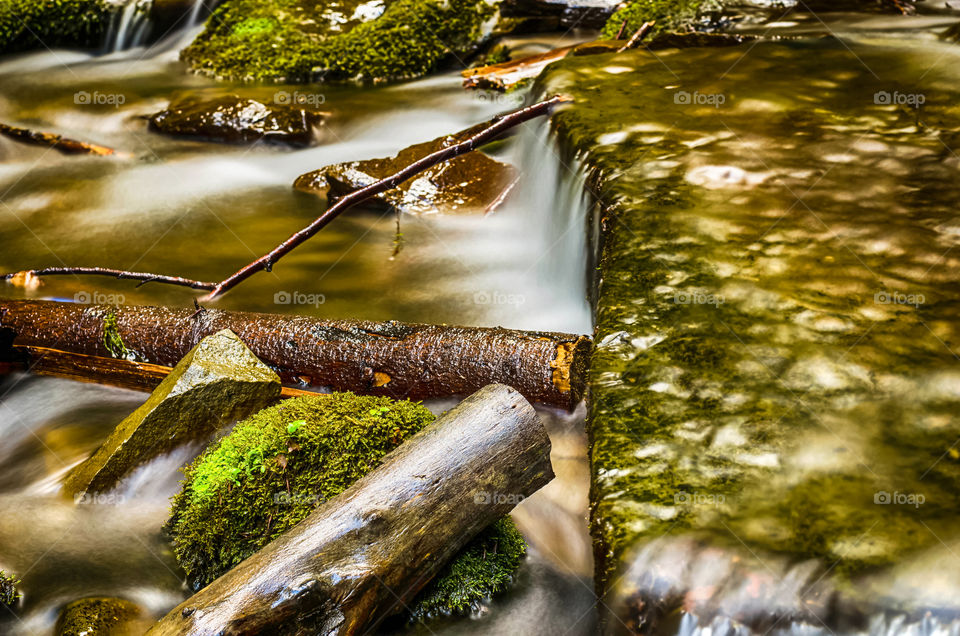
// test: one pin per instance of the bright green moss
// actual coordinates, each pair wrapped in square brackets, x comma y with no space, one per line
[670,15]
[31,24]
[281,40]
[9,594]
[112,340]
[279,465]
[483,568]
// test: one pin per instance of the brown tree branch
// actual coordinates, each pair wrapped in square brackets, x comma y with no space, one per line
[496,127]
[143,277]
[51,140]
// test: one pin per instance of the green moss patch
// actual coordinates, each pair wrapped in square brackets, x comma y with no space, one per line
[281,40]
[276,467]
[669,15]
[9,593]
[32,24]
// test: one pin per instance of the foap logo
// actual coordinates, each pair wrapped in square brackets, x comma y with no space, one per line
[498,298]
[97,298]
[484,498]
[684,498]
[896,98]
[697,298]
[884,498]
[884,297]
[297,98]
[96,98]
[298,298]
[696,98]
[98,499]
[514,100]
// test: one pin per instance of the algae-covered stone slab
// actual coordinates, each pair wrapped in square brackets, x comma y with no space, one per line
[100,616]
[470,183]
[217,383]
[235,119]
[774,385]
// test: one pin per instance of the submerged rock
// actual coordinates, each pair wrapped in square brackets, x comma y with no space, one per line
[769,390]
[234,119]
[470,183]
[301,40]
[218,382]
[100,616]
[276,467]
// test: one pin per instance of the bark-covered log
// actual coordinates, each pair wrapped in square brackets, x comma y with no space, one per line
[388,358]
[125,374]
[366,553]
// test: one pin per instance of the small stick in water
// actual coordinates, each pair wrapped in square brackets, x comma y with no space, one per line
[57,142]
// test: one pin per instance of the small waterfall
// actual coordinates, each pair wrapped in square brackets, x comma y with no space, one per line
[135,22]
[130,26]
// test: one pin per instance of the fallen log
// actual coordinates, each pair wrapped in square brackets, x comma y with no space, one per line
[366,553]
[124,374]
[59,143]
[390,358]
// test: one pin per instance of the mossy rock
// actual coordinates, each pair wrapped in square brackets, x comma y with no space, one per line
[99,616]
[9,592]
[669,15]
[30,24]
[291,40]
[276,467]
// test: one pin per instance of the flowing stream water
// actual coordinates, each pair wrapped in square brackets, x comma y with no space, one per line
[203,209]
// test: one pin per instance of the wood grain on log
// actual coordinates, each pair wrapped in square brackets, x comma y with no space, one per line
[379,358]
[366,553]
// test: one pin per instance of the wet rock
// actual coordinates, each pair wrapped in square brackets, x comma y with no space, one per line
[236,120]
[756,388]
[470,183]
[695,39]
[586,14]
[303,40]
[218,382]
[100,616]
[26,25]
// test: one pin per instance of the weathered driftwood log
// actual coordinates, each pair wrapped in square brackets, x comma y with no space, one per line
[125,374]
[388,358]
[363,555]
[51,140]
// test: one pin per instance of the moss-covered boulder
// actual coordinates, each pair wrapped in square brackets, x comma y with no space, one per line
[9,592]
[300,40]
[235,119]
[473,182]
[669,15]
[99,616]
[280,464]
[30,24]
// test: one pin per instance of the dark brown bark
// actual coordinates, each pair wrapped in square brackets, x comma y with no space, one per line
[51,140]
[125,374]
[366,553]
[388,358]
